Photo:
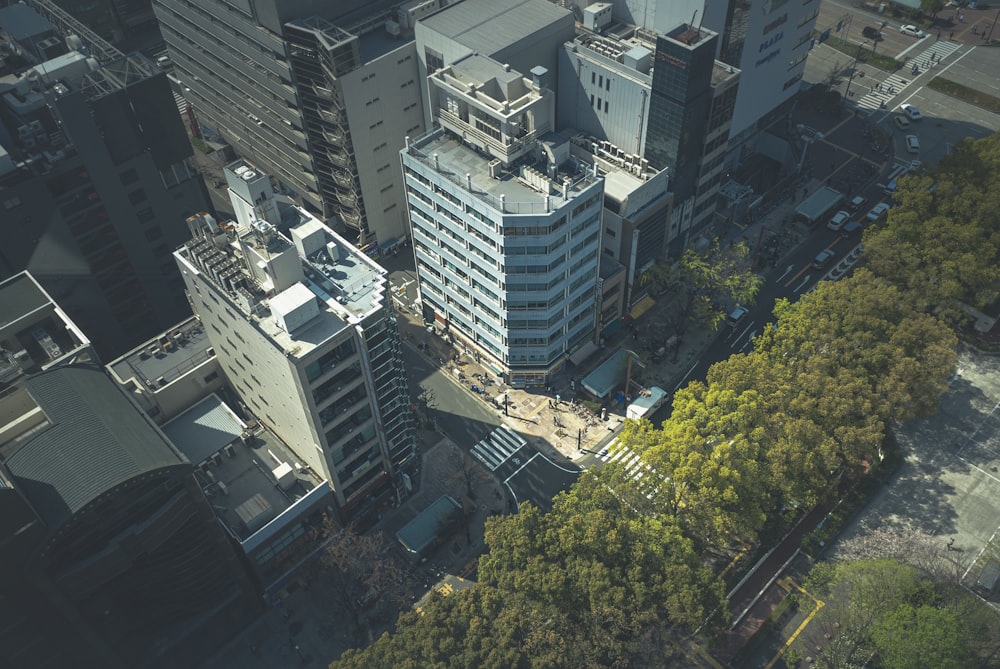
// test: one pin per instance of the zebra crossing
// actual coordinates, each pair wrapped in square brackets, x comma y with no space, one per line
[880,96]
[182,104]
[501,445]
[633,466]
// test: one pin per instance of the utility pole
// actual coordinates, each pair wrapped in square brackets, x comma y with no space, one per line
[854,69]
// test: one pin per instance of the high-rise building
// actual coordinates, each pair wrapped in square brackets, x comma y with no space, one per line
[319,96]
[304,329]
[767,40]
[96,179]
[661,97]
[112,556]
[506,223]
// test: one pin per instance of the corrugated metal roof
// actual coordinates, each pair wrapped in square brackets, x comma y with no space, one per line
[204,429]
[489,26]
[97,440]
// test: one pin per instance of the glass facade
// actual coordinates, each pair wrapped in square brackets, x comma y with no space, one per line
[679,106]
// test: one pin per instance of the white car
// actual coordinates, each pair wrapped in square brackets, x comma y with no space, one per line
[912,31]
[878,211]
[911,112]
[838,220]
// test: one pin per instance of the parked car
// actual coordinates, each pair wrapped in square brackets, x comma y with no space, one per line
[912,144]
[912,31]
[838,220]
[822,258]
[878,211]
[901,122]
[912,112]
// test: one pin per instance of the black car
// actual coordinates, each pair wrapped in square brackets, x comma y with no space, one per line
[872,33]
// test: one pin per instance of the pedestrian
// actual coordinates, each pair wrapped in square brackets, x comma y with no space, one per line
[938,35]
[951,542]
[950,35]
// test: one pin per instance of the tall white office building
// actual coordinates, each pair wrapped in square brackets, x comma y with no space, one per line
[506,223]
[304,329]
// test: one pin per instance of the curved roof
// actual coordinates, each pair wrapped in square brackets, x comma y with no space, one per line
[95,440]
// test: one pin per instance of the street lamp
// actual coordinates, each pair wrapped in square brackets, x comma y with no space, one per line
[854,69]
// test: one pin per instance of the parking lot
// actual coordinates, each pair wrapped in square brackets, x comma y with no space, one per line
[948,487]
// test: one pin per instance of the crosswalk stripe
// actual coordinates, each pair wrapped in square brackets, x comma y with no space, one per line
[498,447]
[879,99]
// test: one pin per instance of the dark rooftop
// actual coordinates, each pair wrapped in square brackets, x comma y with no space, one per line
[96,439]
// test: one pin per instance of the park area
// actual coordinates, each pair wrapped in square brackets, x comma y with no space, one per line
[939,512]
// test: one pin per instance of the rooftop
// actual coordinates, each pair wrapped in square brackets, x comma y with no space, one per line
[166,358]
[94,440]
[204,429]
[348,284]
[517,193]
[250,483]
[34,331]
[489,26]
[430,525]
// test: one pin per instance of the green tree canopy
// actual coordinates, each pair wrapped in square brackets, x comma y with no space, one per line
[941,245]
[702,280]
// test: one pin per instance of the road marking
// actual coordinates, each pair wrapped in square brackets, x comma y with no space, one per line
[802,285]
[798,630]
[805,268]
[785,273]
[740,335]
[685,377]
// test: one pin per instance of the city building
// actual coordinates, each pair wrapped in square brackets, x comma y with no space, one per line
[96,180]
[522,34]
[636,231]
[506,223]
[112,555]
[113,20]
[767,40]
[35,333]
[271,504]
[319,97]
[661,98]
[304,330]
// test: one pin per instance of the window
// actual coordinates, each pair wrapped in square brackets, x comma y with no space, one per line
[137,196]
[607,84]
[12,202]
[605,106]
[593,77]
[154,233]
[145,215]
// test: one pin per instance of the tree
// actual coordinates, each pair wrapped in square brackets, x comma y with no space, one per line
[912,637]
[591,584]
[932,7]
[941,245]
[360,574]
[701,281]
[885,609]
